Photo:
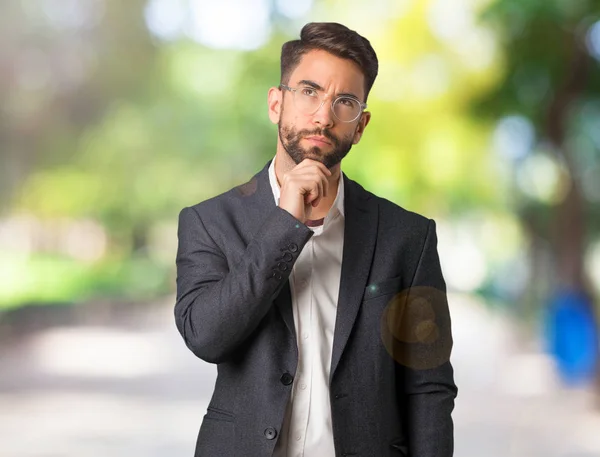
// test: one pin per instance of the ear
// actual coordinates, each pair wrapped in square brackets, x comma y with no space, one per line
[274,102]
[360,128]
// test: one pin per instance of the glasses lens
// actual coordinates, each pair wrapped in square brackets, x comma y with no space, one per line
[346,109]
[307,100]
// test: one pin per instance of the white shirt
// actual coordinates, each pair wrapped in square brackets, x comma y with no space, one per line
[314,283]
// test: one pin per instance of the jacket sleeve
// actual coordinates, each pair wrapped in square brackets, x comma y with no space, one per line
[429,377]
[220,302]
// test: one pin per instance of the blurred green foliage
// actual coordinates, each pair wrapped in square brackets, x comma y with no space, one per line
[109,123]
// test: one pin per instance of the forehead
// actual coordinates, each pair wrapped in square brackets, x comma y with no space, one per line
[330,72]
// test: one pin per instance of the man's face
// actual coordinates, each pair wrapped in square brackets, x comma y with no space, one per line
[333,76]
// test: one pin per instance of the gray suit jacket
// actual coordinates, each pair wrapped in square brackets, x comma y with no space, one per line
[391,382]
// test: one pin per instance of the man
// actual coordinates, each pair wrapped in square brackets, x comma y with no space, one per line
[322,305]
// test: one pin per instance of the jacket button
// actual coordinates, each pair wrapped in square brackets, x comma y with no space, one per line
[282,266]
[270,433]
[293,247]
[287,256]
[286,379]
[276,275]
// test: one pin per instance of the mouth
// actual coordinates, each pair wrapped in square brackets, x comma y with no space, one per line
[320,140]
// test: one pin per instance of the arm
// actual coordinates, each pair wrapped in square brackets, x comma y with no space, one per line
[429,377]
[219,304]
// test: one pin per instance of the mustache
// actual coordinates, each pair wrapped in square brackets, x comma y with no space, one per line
[319,132]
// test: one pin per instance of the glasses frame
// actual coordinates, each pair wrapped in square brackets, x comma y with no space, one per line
[363,106]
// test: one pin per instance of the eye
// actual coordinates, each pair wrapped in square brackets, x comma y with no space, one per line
[309,91]
[347,102]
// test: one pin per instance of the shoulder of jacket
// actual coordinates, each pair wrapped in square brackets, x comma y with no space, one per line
[398,214]
[393,214]
[221,201]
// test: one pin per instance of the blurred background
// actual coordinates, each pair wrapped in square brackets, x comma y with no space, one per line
[115,115]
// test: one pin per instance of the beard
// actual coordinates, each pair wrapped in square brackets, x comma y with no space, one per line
[290,139]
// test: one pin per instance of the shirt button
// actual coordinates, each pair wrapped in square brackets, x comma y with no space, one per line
[305,335]
[303,283]
[298,437]
[303,386]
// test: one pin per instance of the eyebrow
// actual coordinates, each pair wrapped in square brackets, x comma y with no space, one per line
[314,85]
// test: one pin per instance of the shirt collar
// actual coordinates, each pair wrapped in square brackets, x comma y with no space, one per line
[338,203]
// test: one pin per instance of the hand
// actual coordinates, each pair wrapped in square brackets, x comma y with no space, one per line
[303,187]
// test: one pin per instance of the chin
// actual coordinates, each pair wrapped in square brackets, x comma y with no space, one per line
[315,150]
[315,153]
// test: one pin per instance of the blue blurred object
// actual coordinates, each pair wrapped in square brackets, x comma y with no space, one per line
[572,336]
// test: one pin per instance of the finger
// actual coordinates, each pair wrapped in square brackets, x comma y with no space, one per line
[319,190]
[313,190]
[326,170]
[320,165]
[313,183]
[325,187]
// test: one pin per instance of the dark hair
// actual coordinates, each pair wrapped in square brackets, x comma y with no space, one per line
[337,39]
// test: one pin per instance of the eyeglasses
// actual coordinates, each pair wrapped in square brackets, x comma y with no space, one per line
[309,100]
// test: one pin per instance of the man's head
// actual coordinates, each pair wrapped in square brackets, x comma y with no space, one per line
[328,62]
[336,39]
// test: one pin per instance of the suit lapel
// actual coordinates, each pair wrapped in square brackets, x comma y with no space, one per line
[360,232]
[283,301]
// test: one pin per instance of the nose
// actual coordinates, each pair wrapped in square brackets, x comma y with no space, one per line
[324,115]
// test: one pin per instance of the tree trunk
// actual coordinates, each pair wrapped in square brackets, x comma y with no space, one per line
[569,226]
